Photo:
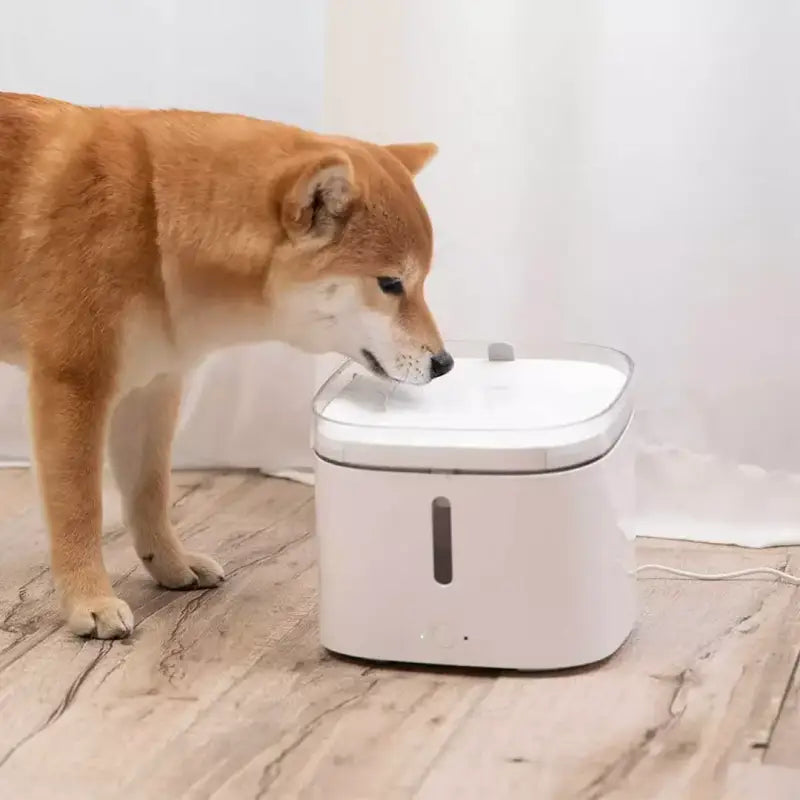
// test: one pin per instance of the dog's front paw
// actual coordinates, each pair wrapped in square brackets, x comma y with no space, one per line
[184,570]
[99,617]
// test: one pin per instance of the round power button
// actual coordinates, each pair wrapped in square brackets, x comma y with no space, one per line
[442,636]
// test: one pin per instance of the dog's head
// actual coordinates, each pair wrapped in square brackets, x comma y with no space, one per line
[349,276]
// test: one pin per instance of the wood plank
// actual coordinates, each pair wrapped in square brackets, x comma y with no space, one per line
[192,648]
[24,547]
[784,742]
[375,735]
[684,698]
[27,605]
[759,782]
[226,693]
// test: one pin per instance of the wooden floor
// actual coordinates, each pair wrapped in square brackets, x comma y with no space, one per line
[227,694]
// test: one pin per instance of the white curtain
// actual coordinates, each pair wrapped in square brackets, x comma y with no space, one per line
[622,172]
[247,407]
[617,171]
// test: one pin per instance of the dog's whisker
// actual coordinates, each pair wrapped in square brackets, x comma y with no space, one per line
[393,388]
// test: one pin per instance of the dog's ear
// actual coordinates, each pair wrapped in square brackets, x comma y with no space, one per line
[413,156]
[318,195]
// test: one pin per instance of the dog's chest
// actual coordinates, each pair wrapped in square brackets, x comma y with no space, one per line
[11,349]
[146,349]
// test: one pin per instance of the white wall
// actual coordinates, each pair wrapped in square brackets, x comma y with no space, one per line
[260,57]
[246,407]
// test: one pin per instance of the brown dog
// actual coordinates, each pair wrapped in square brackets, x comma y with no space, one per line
[134,242]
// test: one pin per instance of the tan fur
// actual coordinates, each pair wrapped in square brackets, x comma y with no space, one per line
[134,242]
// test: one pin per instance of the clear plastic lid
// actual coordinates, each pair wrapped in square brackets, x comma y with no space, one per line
[501,410]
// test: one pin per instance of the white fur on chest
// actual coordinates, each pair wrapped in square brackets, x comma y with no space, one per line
[146,349]
[153,343]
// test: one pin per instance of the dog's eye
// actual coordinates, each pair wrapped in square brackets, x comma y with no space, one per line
[391,285]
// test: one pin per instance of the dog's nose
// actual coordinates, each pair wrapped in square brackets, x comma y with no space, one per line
[441,364]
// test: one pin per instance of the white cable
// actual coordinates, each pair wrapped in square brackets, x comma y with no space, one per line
[723,576]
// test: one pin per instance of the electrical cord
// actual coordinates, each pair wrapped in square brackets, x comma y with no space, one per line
[721,576]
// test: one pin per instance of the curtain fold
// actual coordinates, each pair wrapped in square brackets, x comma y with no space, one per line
[619,172]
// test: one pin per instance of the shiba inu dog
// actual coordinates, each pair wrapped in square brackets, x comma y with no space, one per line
[132,243]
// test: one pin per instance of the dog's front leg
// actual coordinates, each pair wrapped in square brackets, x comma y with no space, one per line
[69,412]
[140,442]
